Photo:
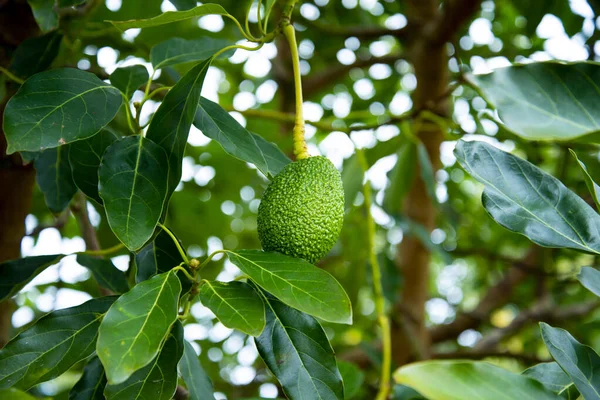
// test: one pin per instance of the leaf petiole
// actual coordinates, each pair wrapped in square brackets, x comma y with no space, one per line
[104,252]
[181,252]
[12,76]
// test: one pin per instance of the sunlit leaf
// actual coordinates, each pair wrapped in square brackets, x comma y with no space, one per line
[171,16]
[177,51]
[91,384]
[15,394]
[55,178]
[197,382]
[15,274]
[129,79]
[105,273]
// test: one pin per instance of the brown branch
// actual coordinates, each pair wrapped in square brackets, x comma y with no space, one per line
[478,355]
[454,14]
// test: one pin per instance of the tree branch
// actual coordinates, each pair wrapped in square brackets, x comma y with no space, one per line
[454,14]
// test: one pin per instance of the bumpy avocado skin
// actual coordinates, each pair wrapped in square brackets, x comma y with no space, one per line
[302,211]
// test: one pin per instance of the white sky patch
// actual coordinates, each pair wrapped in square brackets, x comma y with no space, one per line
[549,27]
[243,101]
[363,138]
[380,71]
[396,21]
[257,66]
[310,11]
[167,6]
[377,173]
[312,111]
[342,105]
[364,88]
[481,31]
[346,56]
[337,146]
[212,23]
[66,298]
[107,58]
[380,48]
[266,91]
[197,138]
[121,262]
[210,87]
[113,5]
[400,104]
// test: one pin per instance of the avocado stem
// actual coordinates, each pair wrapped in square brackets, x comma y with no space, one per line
[300,149]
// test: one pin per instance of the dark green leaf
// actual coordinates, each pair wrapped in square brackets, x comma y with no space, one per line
[136,326]
[44,14]
[197,382]
[525,199]
[70,3]
[52,345]
[176,51]
[15,274]
[129,79]
[590,279]
[158,379]
[545,101]
[593,188]
[57,107]
[91,384]
[85,157]
[403,392]
[353,378]
[35,54]
[133,178]
[551,376]
[55,178]
[401,177]
[296,350]
[171,123]
[171,16]
[235,304]
[580,362]
[105,273]
[217,124]
[182,5]
[427,172]
[532,11]
[297,283]
[469,379]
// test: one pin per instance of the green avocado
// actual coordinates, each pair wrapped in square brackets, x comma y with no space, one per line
[302,211]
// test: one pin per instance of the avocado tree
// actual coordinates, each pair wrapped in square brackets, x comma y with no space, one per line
[374,199]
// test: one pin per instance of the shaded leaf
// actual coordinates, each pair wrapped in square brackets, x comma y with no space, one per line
[217,124]
[403,392]
[552,377]
[593,188]
[235,304]
[176,51]
[197,382]
[401,177]
[35,54]
[353,378]
[297,283]
[580,362]
[70,3]
[105,273]
[268,8]
[44,14]
[91,384]
[52,345]
[171,123]
[133,178]
[590,279]
[523,198]
[426,170]
[158,379]
[459,379]
[352,178]
[129,79]
[182,5]
[171,16]
[15,274]
[296,349]
[85,157]
[55,178]
[57,107]
[136,326]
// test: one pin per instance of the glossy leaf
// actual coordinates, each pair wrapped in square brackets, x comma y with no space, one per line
[158,379]
[523,198]
[105,273]
[590,279]
[353,378]
[296,349]
[15,274]
[580,362]
[197,382]
[91,384]
[57,107]
[545,101]
[171,16]
[136,326]
[172,121]
[552,377]
[85,157]
[458,379]
[44,14]
[55,178]
[52,345]
[401,177]
[35,54]
[129,79]
[235,304]
[593,188]
[133,178]
[297,283]
[217,124]
[177,51]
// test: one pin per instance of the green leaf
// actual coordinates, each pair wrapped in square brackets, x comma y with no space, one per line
[403,392]
[580,362]
[590,279]
[427,172]
[15,274]
[35,54]
[136,326]
[352,179]
[52,345]
[57,107]
[85,157]
[170,16]
[129,79]
[268,8]
[459,379]
[296,349]
[197,382]
[133,179]
[401,177]
[593,188]
[176,51]
[523,198]
[353,378]
[105,273]
[235,304]
[297,283]
[15,394]
[545,101]
[182,5]
[552,377]
[55,178]
[158,379]
[44,14]
[217,124]
[91,384]
[171,123]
